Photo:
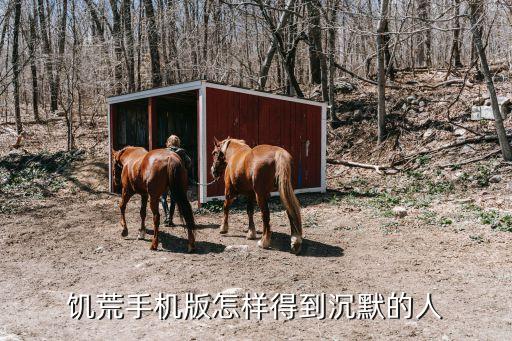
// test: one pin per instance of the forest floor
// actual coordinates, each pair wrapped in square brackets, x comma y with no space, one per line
[60,234]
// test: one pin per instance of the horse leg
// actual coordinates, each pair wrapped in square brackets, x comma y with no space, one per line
[143,209]
[153,204]
[125,197]
[163,200]
[227,202]
[251,233]
[265,212]
[171,212]
[296,235]
[191,241]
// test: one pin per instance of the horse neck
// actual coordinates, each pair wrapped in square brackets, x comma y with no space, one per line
[234,147]
[129,154]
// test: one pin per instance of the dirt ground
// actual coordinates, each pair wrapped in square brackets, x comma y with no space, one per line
[71,243]
[61,235]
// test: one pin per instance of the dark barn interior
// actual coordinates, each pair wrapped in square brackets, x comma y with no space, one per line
[172,114]
[131,124]
[177,114]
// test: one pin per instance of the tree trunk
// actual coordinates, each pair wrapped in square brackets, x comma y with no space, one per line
[387,54]
[381,69]
[265,67]
[47,50]
[315,43]
[424,52]
[331,49]
[139,48]
[206,18]
[456,36]
[128,33]
[15,65]
[118,47]
[477,38]
[61,43]
[156,76]
[289,67]
[31,38]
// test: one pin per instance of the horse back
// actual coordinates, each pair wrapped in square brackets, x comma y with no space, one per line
[253,169]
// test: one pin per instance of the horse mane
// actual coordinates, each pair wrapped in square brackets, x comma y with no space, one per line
[231,140]
[236,140]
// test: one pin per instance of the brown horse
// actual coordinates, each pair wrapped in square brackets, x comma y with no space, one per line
[254,172]
[150,174]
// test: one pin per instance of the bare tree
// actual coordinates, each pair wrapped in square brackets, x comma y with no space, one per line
[15,65]
[425,43]
[479,46]
[287,56]
[129,45]
[269,56]
[153,43]
[456,36]
[48,54]
[31,39]
[118,46]
[381,67]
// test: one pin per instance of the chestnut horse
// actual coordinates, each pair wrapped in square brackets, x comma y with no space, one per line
[150,174]
[254,172]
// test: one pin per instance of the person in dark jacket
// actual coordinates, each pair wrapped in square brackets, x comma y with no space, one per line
[174,144]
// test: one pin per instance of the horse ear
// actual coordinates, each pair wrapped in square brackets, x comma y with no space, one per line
[215,141]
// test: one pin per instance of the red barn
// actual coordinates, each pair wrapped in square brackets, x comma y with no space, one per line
[199,111]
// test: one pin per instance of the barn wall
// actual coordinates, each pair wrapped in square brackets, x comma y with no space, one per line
[296,127]
[130,124]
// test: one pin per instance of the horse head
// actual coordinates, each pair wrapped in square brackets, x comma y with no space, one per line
[219,157]
[117,166]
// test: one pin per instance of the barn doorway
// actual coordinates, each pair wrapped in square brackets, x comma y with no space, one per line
[177,114]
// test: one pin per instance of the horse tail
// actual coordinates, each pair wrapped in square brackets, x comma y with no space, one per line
[178,188]
[283,161]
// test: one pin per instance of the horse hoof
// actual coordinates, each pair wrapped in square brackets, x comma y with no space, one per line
[251,234]
[263,244]
[296,248]
[141,235]
[153,247]
[223,230]
[124,233]
[191,249]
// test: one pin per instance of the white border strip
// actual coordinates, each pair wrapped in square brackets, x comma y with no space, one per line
[156,92]
[265,94]
[275,194]
[203,171]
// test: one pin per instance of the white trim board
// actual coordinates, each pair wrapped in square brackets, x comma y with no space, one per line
[202,167]
[195,85]
[275,194]
[110,187]
[323,150]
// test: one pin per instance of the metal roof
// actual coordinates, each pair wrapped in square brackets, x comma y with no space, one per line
[198,84]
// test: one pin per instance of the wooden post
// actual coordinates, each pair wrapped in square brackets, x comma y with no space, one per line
[113,146]
[152,124]
[199,146]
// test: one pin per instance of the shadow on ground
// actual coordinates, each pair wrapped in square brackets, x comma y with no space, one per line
[310,248]
[175,244]
[309,199]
